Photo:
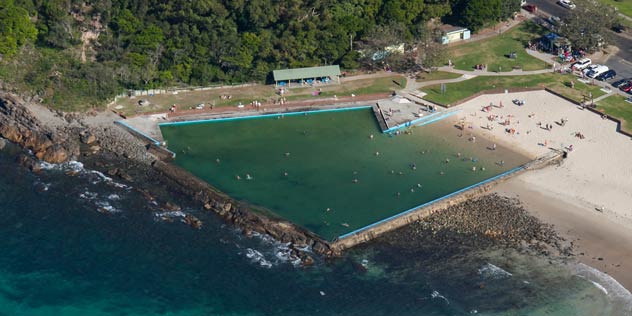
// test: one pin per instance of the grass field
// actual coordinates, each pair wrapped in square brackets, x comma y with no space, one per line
[616,106]
[624,6]
[262,93]
[494,51]
[558,83]
[436,75]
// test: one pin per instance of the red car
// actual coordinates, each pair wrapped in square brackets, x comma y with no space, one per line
[626,87]
[530,7]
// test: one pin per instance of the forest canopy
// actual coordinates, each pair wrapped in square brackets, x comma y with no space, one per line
[91,50]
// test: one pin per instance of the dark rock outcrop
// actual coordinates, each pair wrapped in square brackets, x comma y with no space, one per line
[19,126]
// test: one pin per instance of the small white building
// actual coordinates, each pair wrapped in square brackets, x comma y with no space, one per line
[451,34]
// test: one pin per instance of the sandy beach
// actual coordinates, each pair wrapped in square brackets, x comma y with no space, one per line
[588,197]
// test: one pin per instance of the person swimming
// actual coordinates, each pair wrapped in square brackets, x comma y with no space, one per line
[248,176]
[355,180]
[285,173]
[287,154]
[237,177]
[217,160]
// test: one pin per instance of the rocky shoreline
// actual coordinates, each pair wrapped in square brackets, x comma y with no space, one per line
[94,140]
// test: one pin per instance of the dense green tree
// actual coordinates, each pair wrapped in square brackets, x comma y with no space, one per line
[478,13]
[16,28]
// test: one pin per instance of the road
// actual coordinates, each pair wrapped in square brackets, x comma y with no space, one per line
[549,6]
[621,62]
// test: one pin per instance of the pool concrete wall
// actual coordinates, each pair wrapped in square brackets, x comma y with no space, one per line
[375,230]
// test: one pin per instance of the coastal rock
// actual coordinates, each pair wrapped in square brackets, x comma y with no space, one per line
[11,132]
[88,138]
[28,162]
[172,207]
[125,176]
[193,221]
[54,154]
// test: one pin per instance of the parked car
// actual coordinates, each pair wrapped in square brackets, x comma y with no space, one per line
[530,8]
[590,68]
[607,75]
[620,82]
[626,87]
[566,4]
[619,28]
[554,20]
[582,64]
[597,71]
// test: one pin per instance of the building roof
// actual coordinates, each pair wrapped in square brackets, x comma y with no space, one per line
[447,28]
[306,73]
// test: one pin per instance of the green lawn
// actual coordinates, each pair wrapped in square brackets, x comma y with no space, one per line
[624,6]
[616,106]
[436,75]
[262,93]
[493,51]
[558,83]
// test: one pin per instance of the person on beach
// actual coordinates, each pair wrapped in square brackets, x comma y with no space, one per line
[494,147]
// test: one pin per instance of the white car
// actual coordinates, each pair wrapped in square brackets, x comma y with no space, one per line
[582,64]
[597,71]
[567,4]
[590,68]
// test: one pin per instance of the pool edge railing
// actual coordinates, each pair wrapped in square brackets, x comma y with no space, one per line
[152,141]
[256,116]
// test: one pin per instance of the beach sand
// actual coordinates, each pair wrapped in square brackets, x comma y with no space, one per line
[588,197]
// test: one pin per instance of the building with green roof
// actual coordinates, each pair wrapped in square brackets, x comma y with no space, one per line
[309,75]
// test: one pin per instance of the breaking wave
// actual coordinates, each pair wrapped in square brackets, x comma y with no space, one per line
[490,271]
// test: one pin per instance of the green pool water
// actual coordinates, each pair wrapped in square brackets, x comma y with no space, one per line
[325,172]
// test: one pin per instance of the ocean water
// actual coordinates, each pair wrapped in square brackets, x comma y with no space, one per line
[338,178]
[87,245]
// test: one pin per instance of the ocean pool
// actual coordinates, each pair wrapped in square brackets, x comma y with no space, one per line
[333,172]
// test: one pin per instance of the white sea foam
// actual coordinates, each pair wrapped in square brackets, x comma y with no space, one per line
[105,207]
[436,294]
[42,186]
[87,195]
[78,168]
[114,197]
[257,257]
[491,271]
[170,214]
[607,284]
[281,251]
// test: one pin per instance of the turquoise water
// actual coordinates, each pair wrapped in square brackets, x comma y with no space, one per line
[62,257]
[338,178]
